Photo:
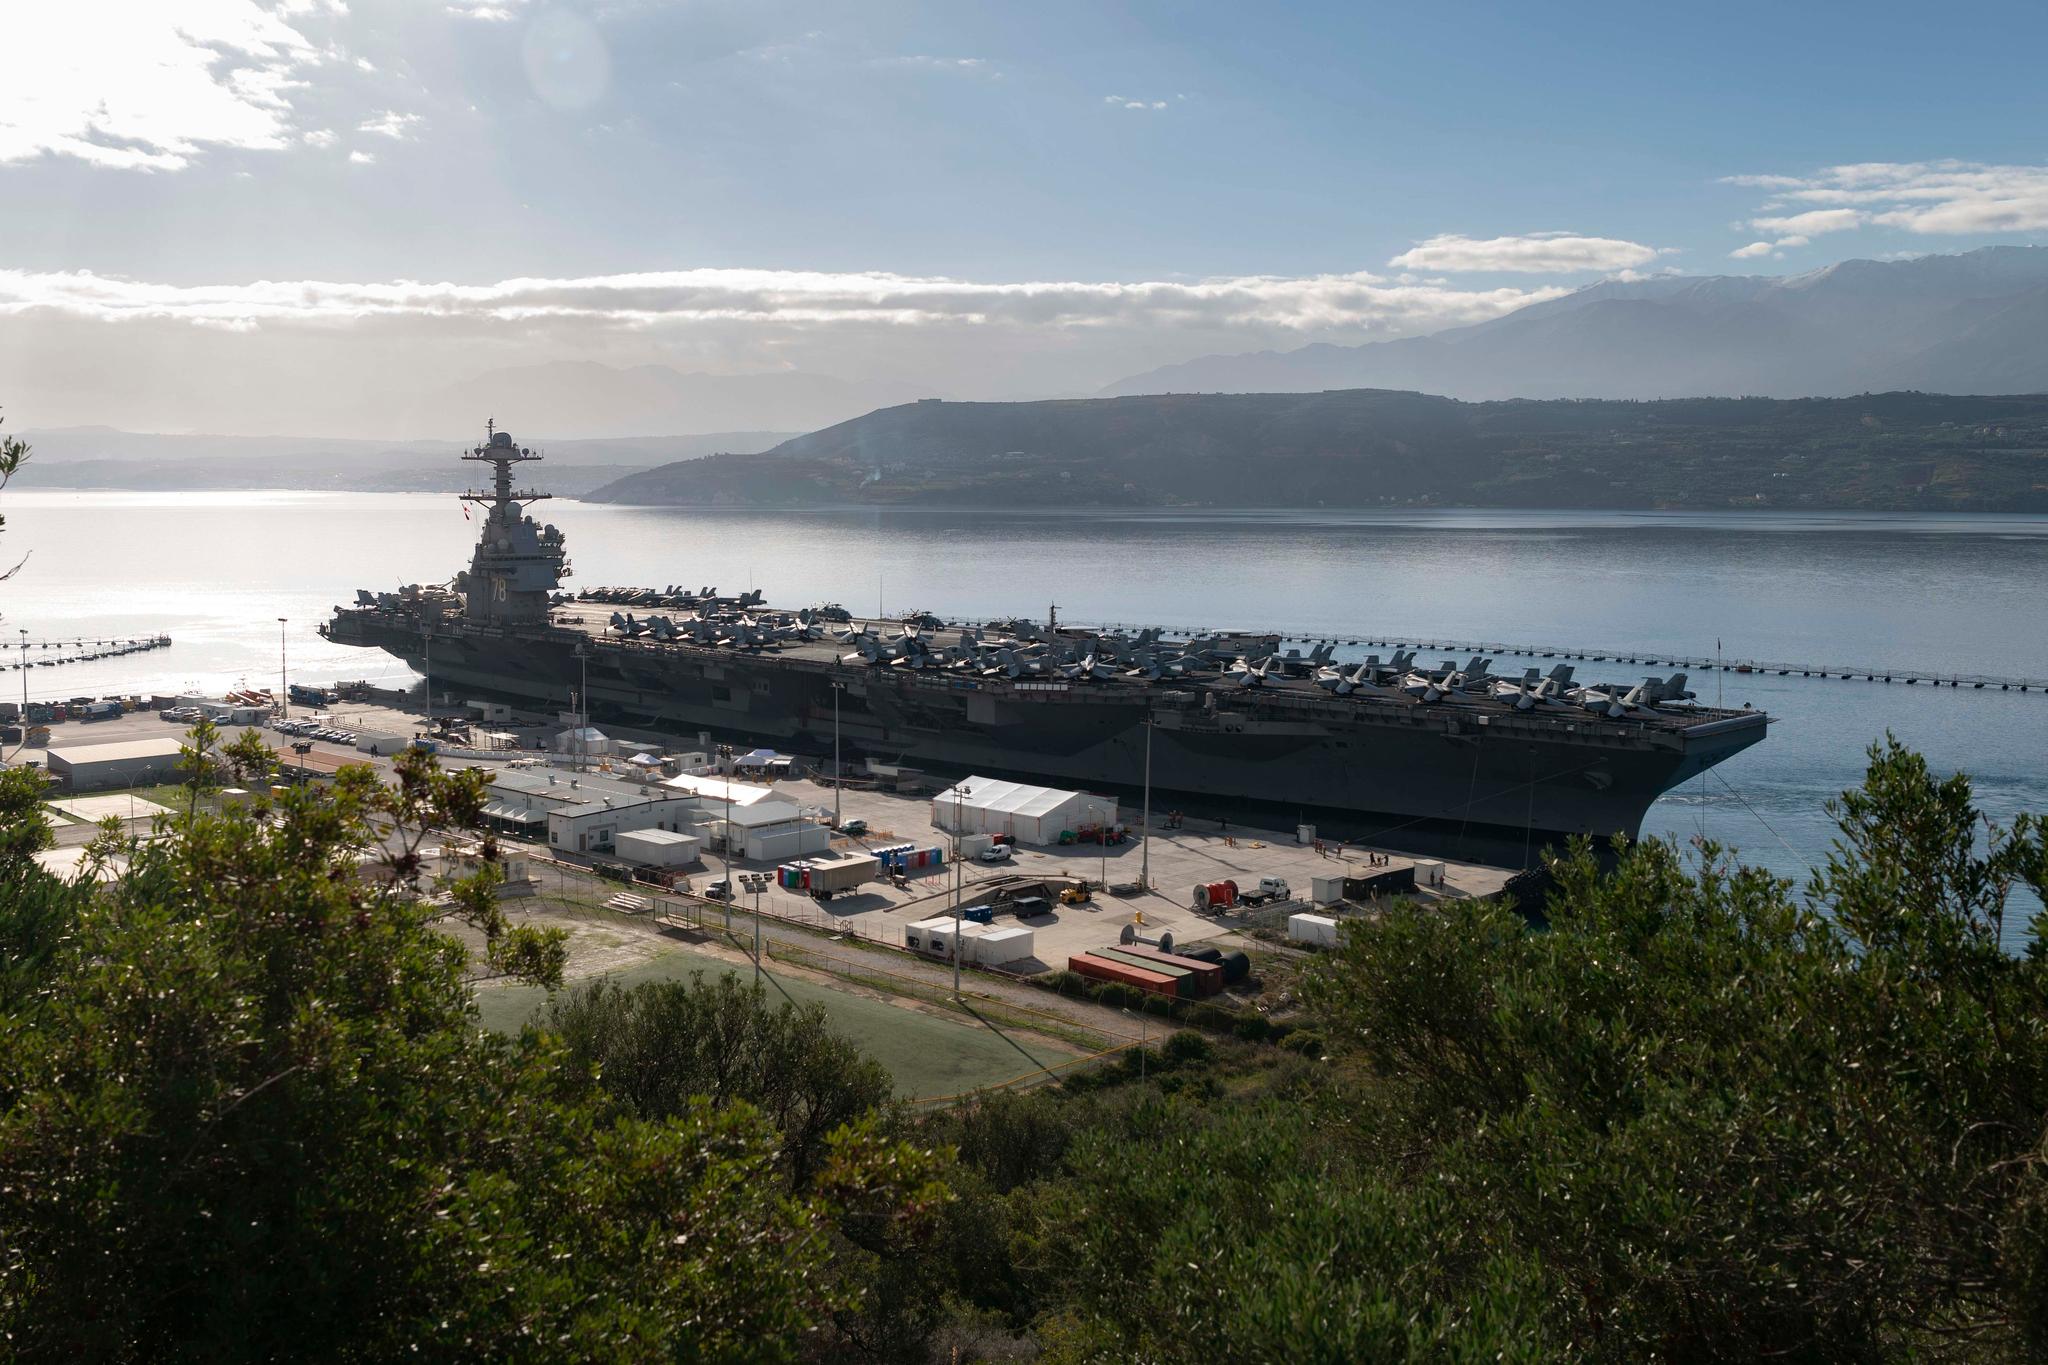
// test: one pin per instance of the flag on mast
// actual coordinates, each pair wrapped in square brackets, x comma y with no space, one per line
[465,509]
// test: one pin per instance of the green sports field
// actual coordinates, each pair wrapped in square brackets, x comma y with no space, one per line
[928,1055]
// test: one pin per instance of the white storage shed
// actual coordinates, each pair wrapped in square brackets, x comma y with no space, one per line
[1030,815]
[1317,929]
[127,763]
[657,847]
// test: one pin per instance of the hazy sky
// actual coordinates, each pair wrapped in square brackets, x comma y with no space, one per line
[245,216]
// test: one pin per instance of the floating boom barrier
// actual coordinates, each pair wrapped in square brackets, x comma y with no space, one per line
[28,654]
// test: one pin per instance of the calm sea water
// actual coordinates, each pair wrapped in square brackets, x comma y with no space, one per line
[1967,594]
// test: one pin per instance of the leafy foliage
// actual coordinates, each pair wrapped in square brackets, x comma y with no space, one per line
[661,1046]
[1729,1123]
[246,1112]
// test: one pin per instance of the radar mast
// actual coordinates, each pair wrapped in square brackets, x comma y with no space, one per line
[518,563]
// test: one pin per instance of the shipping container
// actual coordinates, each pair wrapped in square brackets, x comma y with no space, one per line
[828,875]
[1208,975]
[1102,969]
[1392,881]
[1185,983]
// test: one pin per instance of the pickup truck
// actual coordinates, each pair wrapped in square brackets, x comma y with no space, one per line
[1268,889]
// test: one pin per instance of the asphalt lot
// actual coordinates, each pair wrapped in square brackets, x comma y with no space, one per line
[1172,862]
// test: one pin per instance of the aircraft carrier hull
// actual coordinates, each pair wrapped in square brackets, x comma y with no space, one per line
[1472,781]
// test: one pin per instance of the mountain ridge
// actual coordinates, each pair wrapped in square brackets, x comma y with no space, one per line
[1851,327]
[1377,447]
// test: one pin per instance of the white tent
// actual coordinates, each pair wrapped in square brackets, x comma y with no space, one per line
[1031,815]
[588,740]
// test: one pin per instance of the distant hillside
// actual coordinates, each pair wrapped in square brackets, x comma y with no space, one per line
[1969,323]
[101,457]
[607,400]
[1369,447]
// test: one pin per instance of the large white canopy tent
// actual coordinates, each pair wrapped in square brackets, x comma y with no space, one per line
[1031,815]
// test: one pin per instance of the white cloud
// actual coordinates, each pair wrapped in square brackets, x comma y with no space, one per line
[144,85]
[487,11]
[391,124]
[918,61]
[1122,103]
[363,158]
[318,137]
[1811,223]
[1755,251]
[1533,253]
[1933,197]
[1357,302]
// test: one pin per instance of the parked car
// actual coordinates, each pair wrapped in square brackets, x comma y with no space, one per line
[853,829]
[996,853]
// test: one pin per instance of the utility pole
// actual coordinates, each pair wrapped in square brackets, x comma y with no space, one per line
[427,675]
[838,773]
[958,793]
[24,695]
[284,691]
[1145,834]
[583,725]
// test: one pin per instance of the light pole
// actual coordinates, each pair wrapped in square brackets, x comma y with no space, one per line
[754,882]
[1145,834]
[24,695]
[427,675]
[1101,838]
[284,689]
[838,773]
[725,855]
[959,792]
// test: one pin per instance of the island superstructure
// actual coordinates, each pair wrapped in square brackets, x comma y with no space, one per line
[1452,759]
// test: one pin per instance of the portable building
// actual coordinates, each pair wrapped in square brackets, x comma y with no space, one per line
[126,763]
[934,936]
[1030,815]
[1317,929]
[1002,947]
[1387,881]
[1429,872]
[657,847]
[1326,890]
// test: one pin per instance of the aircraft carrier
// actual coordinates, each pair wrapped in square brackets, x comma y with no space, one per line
[1451,759]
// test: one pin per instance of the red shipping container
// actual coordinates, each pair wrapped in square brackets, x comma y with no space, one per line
[1100,969]
[1208,974]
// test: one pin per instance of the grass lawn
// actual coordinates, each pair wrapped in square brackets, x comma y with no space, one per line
[927,1056]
